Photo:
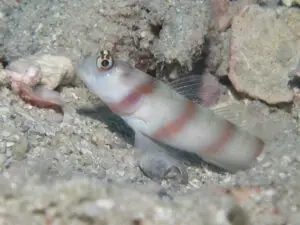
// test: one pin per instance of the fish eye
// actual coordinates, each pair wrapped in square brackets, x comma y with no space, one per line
[104,60]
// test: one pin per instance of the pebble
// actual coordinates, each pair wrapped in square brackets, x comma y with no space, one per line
[99,137]
[267,165]
[105,203]
[9,144]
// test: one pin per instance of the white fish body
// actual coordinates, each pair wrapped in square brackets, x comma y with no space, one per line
[155,110]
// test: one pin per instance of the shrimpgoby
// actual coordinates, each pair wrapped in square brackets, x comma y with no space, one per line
[158,113]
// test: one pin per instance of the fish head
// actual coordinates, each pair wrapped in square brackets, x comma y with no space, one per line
[110,79]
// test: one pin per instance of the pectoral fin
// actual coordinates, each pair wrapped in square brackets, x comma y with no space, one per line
[156,163]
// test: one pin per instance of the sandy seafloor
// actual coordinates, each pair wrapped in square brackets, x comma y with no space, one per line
[40,149]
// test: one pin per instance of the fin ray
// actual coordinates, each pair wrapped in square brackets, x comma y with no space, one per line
[202,89]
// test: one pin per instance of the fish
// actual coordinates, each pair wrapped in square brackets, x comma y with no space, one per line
[165,114]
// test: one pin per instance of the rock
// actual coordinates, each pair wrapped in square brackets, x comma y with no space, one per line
[224,10]
[219,39]
[263,53]
[218,55]
[55,70]
[183,28]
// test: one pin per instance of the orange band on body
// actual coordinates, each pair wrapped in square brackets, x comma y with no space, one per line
[219,145]
[124,107]
[226,136]
[174,127]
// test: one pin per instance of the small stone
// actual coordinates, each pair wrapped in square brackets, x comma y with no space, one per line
[282,175]
[98,138]
[20,149]
[105,203]
[9,144]
[267,165]
[91,210]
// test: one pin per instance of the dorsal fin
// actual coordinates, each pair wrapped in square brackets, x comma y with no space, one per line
[202,89]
